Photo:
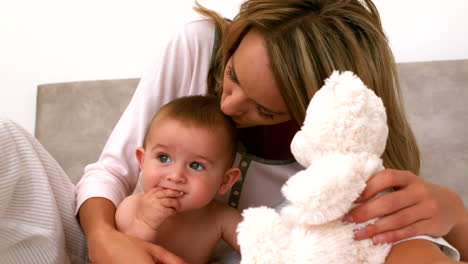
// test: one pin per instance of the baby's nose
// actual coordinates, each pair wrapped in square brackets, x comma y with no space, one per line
[177,176]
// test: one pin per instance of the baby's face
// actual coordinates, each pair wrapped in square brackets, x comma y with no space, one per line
[188,159]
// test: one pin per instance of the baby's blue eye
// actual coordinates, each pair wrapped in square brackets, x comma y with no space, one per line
[196,166]
[164,158]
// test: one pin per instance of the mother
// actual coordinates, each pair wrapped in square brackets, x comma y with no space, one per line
[265,66]
[268,63]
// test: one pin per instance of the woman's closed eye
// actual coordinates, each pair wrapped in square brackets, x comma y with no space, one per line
[164,158]
[231,74]
[196,166]
[262,112]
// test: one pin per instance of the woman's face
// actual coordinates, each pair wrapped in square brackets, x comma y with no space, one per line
[250,95]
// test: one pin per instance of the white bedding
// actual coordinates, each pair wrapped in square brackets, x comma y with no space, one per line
[35,227]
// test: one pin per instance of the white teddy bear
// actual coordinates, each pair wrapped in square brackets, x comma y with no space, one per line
[339,145]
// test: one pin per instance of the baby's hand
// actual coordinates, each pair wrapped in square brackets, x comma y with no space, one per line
[156,205]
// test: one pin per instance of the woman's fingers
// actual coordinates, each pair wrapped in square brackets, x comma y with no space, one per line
[416,207]
[399,220]
[115,247]
[383,205]
[412,230]
[384,180]
[161,255]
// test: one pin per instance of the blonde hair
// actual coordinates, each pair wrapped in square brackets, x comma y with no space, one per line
[307,40]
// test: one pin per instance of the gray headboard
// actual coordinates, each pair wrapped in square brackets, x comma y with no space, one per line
[74,119]
[436,98]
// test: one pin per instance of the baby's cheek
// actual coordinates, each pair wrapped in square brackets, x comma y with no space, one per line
[148,181]
[204,194]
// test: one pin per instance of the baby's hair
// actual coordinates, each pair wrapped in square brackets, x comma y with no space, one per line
[199,111]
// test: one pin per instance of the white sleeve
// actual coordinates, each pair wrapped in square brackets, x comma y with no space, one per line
[448,249]
[180,69]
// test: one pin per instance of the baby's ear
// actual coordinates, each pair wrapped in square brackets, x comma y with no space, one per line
[140,153]
[230,177]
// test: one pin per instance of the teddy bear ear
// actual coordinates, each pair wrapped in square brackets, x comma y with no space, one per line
[300,149]
[344,115]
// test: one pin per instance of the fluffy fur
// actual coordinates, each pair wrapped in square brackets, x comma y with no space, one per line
[339,145]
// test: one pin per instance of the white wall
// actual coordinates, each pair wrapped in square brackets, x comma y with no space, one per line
[424,30]
[61,40]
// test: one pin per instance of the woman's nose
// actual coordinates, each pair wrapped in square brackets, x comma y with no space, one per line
[233,103]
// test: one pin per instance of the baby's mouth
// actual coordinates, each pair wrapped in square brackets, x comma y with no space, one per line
[182,193]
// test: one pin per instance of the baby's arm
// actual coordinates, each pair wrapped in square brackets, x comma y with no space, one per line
[140,215]
[417,251]
[125,219]
[230,219]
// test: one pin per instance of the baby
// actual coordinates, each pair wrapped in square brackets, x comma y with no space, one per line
[186,160]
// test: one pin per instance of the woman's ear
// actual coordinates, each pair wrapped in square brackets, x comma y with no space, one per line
[140,154]
[230,177]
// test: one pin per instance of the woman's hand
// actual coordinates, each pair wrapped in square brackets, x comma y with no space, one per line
[107,245]
[112,246]
[416,207]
